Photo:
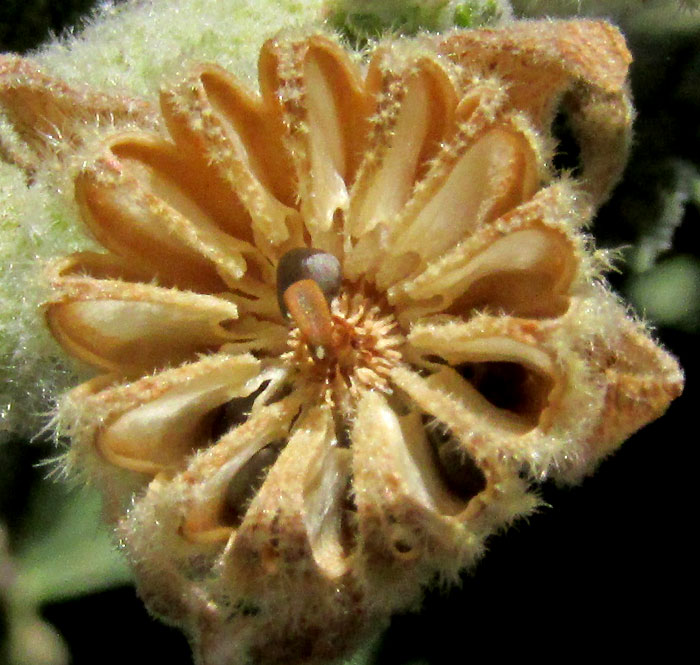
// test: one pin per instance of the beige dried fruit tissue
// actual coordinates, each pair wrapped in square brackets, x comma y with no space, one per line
[284,478]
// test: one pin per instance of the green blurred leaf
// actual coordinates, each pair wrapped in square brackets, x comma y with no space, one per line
[669,293]
[361,21]
[66,550]
[678,186]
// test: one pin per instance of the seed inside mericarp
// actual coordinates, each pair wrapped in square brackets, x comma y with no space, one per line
[305,263]
[348,521]
[510,386]
[246,482]
[233,413]
[459,471]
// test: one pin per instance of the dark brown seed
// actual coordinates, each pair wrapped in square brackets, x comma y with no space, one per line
[432,358]
[280,393]
[342,431]
[457,467]
[348,521]
[246,482]
[233,413]
[402,547]
[509,386]
[304,263]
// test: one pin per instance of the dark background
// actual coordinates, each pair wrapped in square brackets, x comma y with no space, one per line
[604,567]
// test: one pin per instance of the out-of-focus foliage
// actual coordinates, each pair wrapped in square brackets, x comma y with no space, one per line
[361,21]
[632,16]
[60,550]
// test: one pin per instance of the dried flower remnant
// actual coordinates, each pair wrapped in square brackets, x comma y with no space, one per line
[344,323]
